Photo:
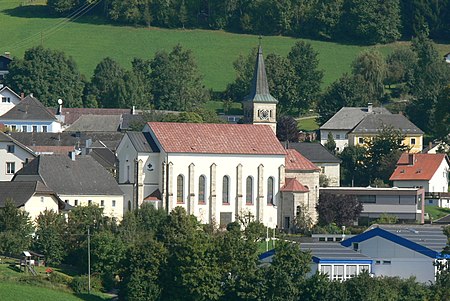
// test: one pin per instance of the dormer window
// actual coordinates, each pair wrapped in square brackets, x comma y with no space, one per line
[10,148]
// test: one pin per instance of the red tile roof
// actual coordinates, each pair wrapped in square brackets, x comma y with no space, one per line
[292,185]
[216,138]
[296,161]
[417,166]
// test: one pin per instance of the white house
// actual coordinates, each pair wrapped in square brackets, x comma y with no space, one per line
[8,99]
[30,115]
[337,262]
[447,58]
[77,180]
[13,155]
[33,197]
[402,250]
[430,171]
[214,171]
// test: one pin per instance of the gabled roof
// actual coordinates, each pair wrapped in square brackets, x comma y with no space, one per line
[96,123]
[104,156]
[371,124]
[259,91]
[83,176]
[10,90]
[314,152]
[7,138]
[417,167]
[296,161]
[425,239]
[30,108]
[21,192]
[154,196]
[349,117]
[208,138]
[143,142]
[72,114]
[292,185]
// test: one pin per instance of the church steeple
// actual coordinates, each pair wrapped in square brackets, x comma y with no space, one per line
[259,104]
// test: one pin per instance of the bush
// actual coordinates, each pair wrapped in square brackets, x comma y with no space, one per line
[60,278]
[79,284]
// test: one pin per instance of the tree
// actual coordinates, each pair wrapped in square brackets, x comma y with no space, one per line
[348,91]
[15,229]
[49,75]
[442,114]
[400,66]
[325,18]
[330,144]
[50,236]
[287,129]
[287,272]
[372,67]
[303,221]
[176,82]
[336,208]
[304,60]
[64,6]
[353,166]
[372,21]
[141,270]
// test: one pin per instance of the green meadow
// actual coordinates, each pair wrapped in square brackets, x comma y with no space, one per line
[24,24]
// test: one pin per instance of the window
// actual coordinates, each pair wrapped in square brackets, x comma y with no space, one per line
[66,201]
[180,189]
[326,270]
[351,271]
[102,203]
[338,272]
[413,141]
[13,127]
[225,190]
[386,262]
[378,262]
[363,268]
[114,203]
[355,246]
[129,205]
[42,199]
[322,169]
[270,191]
[201,189]
[44,129]
[35,129]
[249,191]
[361,140]
[10,148]
[10,168]
[287,222]
[24,128]
[89,202]
[338,136]
[6,99]
[75,203]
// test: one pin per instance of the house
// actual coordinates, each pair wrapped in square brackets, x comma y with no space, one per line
[407,204]
[68,116]
[13,155]
[402,250]
[328,163]
[371,125]
[8,98]
[436,147]
[96,123]
[430,171]
[300,191]
[30,115]
[337,262]
[77,180]
[33,197]
[214,171]
[344,121]
[5,60]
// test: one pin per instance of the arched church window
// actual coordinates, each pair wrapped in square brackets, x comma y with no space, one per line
[180,189]
[270,191]
[226,190]
[201,189]
[249,191]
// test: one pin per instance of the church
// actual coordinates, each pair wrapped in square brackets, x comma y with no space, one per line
[220,172]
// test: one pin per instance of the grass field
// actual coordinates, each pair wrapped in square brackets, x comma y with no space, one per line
[436,212]
[308,124]
[88,40]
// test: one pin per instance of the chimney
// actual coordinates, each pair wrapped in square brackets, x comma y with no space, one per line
[22,95]
[7,54]
[411,159]
[369,108]
[72,155]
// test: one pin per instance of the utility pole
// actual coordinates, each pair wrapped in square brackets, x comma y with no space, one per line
[89,261]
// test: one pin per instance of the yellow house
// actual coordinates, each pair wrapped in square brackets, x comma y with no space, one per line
[370,126]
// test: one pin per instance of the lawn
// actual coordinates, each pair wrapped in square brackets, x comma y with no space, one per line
[436,212]
[308,124]
[88,40]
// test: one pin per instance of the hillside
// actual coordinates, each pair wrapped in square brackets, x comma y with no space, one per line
[88,40]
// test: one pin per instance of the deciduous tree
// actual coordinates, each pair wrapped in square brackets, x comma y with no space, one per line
[340,209]
[50,236]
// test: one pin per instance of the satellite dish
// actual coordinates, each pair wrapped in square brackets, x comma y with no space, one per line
[60,101]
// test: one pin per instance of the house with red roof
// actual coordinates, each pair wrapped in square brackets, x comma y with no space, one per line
[430,171]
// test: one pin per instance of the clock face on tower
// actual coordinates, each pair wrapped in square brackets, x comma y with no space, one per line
[264,114]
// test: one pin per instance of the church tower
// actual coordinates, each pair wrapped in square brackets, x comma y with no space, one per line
[259,106]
